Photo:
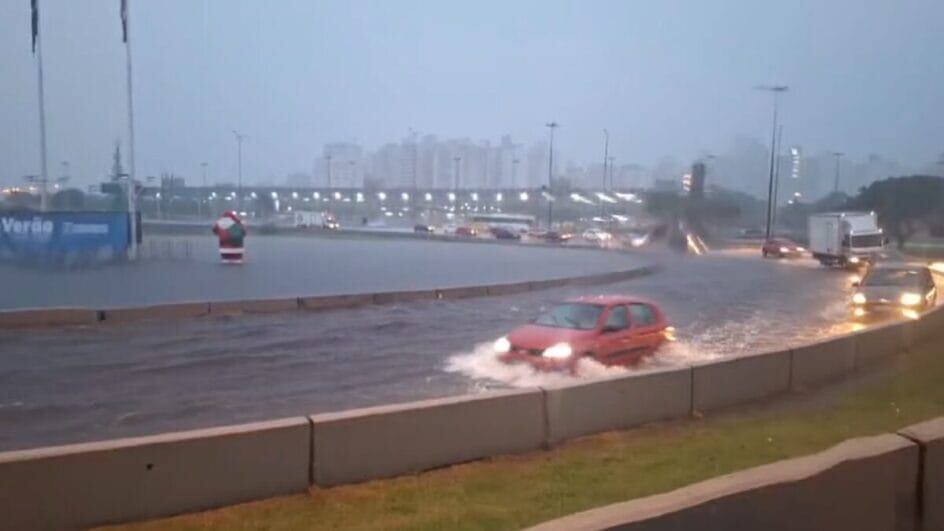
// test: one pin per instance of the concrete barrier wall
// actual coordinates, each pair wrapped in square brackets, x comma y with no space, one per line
[866,484]
[930,325]
[386,441]
[818,363]
[48,317]
[617,403]
[163,311]
[131,479]
[462,293]
[876,344]
[335,302]
[389,297]
[253,306]
[735,381]
[930,435]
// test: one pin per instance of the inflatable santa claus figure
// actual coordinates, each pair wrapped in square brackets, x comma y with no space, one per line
[231,233]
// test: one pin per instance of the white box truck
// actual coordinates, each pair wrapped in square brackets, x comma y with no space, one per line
[845,238]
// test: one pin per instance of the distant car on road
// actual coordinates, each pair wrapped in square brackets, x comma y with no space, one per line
[613,330]
[781,248]
[553,236]
[501,233]
[420,227]
[597,235]
[894,288]
[466,232]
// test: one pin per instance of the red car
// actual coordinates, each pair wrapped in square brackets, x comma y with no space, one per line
[779,248]
[466,232]
[613,330]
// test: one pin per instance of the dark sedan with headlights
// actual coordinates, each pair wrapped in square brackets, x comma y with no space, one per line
[894,289]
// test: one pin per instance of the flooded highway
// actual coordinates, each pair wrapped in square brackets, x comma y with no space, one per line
[187,268]
[80,384]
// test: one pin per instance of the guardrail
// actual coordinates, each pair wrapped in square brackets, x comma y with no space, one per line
[38,317]
[115,481]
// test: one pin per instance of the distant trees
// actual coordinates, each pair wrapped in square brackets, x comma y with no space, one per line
[904,205]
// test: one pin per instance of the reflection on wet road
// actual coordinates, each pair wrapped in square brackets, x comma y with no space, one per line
[101,382]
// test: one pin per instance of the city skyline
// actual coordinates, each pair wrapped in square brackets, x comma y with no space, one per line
[668,81]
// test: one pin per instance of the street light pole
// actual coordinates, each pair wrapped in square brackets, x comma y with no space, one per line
[204,165]
[239,169]
[773,221]
[837,155]
[606,156]
[612,167]
[550,169]
[457,160]
[776,90]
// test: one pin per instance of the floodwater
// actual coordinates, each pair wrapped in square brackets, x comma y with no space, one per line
[79,384]
[188,268]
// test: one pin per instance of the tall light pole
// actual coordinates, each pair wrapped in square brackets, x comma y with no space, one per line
[779,148]
[239,169]
[132,192]
[550,170]
[836,155]
[606,156]
[612,167]
[38,52]
[455,176]
[776,90]
[204,166]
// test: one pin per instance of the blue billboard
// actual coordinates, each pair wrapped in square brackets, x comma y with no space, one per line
[63,238]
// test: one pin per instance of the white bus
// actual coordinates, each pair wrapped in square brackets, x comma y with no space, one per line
[513,222]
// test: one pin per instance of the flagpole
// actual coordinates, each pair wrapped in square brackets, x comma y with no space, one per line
[133,249]
[44,177]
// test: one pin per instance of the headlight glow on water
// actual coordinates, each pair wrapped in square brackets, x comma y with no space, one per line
[501,345]
[558,351]
[858,298]
[910,299]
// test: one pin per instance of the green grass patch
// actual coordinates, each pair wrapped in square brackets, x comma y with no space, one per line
[516,491]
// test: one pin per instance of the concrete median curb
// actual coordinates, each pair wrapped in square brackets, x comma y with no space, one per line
[48,317]
[876,477]
[876,344]
[389,297]
[81,316]
[335,302]
[163,311]
[822,362]
[386,441]
[253,306]
[617,402]
[724,383]
[930,436]
[90,484]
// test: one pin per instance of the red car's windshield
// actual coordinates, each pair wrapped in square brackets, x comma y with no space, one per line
[575,315]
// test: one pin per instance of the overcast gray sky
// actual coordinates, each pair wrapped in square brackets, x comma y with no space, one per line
[666,78]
